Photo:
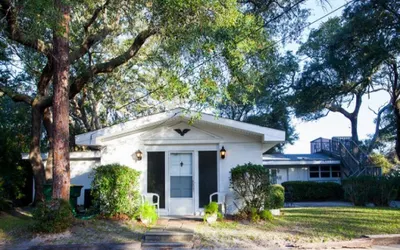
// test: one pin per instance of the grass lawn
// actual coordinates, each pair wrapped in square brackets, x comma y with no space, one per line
[296,225]
[301,225]
[13,226]
[341,223]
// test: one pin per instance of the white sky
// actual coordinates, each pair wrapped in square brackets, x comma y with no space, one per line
[334,124]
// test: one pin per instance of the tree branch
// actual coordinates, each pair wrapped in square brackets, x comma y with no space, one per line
[336,108]
[87,44]
[16,97]
[8,11]
[96,13]
[377,126]
[106,67]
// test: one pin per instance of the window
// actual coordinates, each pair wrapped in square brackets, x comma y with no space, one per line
[314,172]
[336,171]
[273,174]
[325,171]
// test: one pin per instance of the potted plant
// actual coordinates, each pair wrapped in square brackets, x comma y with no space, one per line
[147,213]
[211,213]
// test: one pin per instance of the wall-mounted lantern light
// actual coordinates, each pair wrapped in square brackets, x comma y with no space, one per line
[139,155]
[222,152]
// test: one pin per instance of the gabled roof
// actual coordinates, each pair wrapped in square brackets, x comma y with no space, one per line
[144,123]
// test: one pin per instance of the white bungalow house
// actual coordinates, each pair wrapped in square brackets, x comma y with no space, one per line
[178,159]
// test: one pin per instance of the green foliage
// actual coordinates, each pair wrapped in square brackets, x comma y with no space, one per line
[251,184]
[254,215]
[371,189]
[276,197]
[14,139]
[266,215]
[54,216]
[381,161]
[5,204]
[211,208]
[115,190]
[148,212]
[314,191]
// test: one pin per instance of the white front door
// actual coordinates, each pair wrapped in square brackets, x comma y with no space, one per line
[181,184]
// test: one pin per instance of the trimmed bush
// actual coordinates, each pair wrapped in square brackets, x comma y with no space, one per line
[115,190]
[276,197]
[379,190]
[53,216]
[314,191]
[251,184]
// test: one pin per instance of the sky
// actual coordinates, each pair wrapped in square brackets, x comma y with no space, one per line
[334,124]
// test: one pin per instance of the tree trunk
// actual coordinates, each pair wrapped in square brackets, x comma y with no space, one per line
[61,170]
[48,125]
[354,128]
[397,115]
[34,153]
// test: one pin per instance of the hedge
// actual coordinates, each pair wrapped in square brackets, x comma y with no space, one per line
[314,191]
[379,190]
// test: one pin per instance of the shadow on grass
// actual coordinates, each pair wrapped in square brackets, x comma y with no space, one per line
[16,231]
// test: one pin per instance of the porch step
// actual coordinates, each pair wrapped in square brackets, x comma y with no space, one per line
[167,239]
[166,245]
[167,236]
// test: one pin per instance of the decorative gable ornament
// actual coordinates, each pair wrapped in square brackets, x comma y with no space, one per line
[182,132]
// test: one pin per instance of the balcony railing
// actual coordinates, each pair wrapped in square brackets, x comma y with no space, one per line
[353,158]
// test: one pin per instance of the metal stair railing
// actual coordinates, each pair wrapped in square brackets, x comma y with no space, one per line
[353,158]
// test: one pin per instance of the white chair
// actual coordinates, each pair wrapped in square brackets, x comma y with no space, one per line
[149,197]
[221,197]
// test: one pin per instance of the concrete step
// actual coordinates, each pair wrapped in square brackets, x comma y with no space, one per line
[166,245]
[167,236]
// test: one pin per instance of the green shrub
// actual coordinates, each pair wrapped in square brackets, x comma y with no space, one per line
[115,190]
[148,212]
[379,190]
[266,215]
[254,214]
[5,204]
[251,184]
[52,216]
[276,197]
[314,191]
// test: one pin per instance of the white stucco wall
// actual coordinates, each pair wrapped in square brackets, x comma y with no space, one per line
[80,174]
[285,173]
[241,148]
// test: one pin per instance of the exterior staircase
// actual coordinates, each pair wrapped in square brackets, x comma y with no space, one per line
[354,160]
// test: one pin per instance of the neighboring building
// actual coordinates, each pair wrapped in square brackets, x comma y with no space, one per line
[330,160]
[302,167]
[179,160]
